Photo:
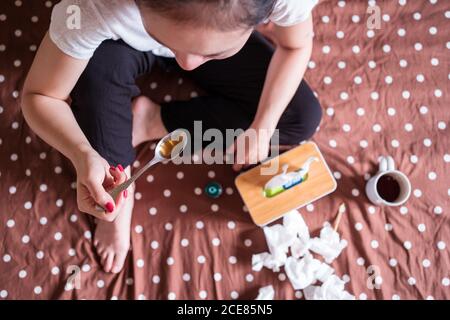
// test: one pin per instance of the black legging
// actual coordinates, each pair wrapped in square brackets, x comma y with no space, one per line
[101,99]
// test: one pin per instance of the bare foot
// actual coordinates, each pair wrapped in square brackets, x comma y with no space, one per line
[147,123]
[112,239]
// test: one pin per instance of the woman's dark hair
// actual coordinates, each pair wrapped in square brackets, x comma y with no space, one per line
[223,15]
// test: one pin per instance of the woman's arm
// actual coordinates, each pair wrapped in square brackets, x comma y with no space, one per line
[50,80]
[286,70]
[285,73]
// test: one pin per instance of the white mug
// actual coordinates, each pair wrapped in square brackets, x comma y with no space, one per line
[387,167]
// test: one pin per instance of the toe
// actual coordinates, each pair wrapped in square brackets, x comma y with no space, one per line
[119,261]
[107,266]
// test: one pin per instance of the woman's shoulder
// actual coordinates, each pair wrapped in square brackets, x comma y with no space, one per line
[291,12]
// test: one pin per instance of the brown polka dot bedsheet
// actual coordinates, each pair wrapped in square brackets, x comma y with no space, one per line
[383,91]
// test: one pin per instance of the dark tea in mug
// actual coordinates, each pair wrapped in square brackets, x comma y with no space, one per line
[388,188]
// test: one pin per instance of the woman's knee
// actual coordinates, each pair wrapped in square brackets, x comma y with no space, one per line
[302,117]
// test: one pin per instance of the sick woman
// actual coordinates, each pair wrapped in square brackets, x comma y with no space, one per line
[94,62]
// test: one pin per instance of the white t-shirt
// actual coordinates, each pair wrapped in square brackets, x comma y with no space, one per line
[100,20]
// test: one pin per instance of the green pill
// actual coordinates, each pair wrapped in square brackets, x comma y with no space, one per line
[213,189]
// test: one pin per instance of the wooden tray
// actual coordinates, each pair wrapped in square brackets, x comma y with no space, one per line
[319,183]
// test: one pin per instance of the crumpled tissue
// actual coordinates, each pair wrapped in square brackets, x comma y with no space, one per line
[331,289]
[329,245]
[266,293]
[302,269]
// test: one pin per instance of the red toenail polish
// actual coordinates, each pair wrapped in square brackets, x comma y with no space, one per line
[110,207]
[119,166]
[125,193]
[112,168]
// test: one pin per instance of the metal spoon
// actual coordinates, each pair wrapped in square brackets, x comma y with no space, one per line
[160,155]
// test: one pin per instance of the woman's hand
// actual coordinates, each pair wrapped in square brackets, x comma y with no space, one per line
[94,178]
[251,147]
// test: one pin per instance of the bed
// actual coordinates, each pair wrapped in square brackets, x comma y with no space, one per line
[383,91]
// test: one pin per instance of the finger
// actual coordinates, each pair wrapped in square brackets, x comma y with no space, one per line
[100,196]
[108,183]
[118,174]
[229,153]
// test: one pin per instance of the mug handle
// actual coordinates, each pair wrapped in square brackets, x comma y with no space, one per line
[390,163]
[383,166]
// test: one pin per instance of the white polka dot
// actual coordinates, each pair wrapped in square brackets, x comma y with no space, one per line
[371,210]
[441,245]
[423,109]
[376,127]
[407,245]
[374,244]
[326,49]
[426,263]
[217,276]
[337,175]
[392,262]
[363,296]
[437,210]
[360,261]
[138,195]
[408,127]
[249,277]
[418,46]
[168,226]
[203,294]
[10,223]
[281,277]
[231,225]
[391,111]
[355,192]
[438,93]
[395,143]
[330,111]
[445,282]
[358,226]
[403,210]
[417,193]
[357,80]
[387,48]
[341,64]
[346,127]
[434,62]
[310,207]
[332,143]
[6,258]
[427,142]
[403,63]
[395,297]
[55,270]
[86,268]
[22,274]
[406,94]
[388,227]
[343,95]
[413,158]
[350,160]
[184,242]
[201,259]
[43,220]
[140,263]
[432,175]
[170,261]
[12,190]
[442,125]
[25,239]
[215,242]
[372,64]
[370,34]
[156,279]
[43,187]
[199,225]
[421,227]
[40,254]
[325,19]
[58,236]
[247,242]
[401,32]
[360,111]
[420,78]
[37,290]
[167,193]
[411,281]
[171,296]
[232,260]
[388,79]
[363,143]
[71,252]
[59,203]
[152,211]
[355,18]
[154,244]
[356,49]
[214,207]
[186,277]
